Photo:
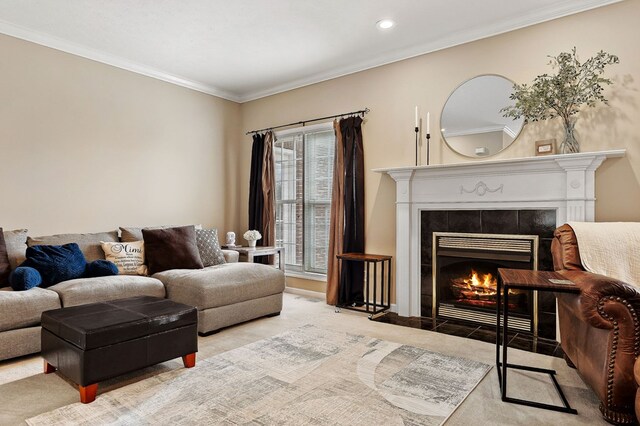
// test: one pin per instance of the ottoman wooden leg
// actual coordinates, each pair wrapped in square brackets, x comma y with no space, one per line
[189,360]
[88,393]
[48,368]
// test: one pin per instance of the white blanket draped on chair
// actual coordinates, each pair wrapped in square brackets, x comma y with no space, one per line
[610,248]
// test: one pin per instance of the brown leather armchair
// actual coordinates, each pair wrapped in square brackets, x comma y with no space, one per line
[636,372]
[599,329]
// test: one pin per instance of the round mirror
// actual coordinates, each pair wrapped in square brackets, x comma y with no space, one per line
[471,122]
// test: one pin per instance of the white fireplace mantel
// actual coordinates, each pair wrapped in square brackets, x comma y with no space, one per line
[565,183]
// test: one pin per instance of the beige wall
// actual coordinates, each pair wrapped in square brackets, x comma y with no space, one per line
[88,147]
[392,91]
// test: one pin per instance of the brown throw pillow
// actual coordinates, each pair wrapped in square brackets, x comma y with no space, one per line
[171,248]
[5,268]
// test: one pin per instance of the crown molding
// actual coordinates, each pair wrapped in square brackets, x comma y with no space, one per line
[509,131]
[477,130]
[559,10]
[53,42]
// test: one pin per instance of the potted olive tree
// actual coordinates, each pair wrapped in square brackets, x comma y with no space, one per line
[574,86]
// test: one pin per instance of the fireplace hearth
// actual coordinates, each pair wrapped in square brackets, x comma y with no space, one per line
[465,270]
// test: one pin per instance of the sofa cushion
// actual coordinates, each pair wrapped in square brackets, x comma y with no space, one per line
[56,263]
[209,247]
[101,289]
[132,233]
[5,267]
[171,248]
[16,242]
[129,234]
[231,256]
[20,309]
[88,243]
[222,285]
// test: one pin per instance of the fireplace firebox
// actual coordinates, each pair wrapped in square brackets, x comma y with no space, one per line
[465,271]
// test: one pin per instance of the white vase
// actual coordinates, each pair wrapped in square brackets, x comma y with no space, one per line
[252,243]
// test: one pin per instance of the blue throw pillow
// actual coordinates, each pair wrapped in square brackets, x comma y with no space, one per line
[100,268]
[24,278]
[56,263]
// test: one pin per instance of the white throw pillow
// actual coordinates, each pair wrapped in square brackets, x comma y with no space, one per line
[128,257]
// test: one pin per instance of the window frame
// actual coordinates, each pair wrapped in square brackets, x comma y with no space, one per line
[292,270]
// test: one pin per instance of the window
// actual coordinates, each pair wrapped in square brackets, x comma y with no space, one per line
[304,171]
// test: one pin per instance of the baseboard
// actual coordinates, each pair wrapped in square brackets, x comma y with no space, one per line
[320,295]
[306,293]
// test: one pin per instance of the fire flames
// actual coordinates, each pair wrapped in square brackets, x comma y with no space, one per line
[487,281]
[477,289]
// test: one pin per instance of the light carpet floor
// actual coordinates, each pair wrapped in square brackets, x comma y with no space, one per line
[307,376]
[25,392]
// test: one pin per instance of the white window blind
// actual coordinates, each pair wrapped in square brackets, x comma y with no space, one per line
[304,169]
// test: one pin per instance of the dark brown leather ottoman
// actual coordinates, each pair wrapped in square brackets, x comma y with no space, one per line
[94,342]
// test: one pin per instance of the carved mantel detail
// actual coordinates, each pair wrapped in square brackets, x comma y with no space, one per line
[480,189]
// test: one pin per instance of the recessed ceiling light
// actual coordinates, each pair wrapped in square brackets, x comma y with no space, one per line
[385,24]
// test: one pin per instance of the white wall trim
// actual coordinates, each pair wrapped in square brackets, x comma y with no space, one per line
[53,42]
[327,125]
[559,10]
[306,293]
[319,295]
[476,130]
[306,275]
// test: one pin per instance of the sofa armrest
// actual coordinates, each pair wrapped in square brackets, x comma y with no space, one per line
[608,303]
[231,256]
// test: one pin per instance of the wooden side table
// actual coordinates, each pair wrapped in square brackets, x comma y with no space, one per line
[378,305]
[247,254]
[523,279]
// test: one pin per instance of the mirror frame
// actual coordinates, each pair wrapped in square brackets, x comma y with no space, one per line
[445,104]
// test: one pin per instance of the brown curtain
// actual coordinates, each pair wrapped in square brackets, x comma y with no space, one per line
[336,226]
[352,273]
[268,191]
[256,197]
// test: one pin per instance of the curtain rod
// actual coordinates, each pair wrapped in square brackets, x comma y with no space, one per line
[361,112]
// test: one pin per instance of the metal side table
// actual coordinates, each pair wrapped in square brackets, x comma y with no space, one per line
[523,279]
[381,299]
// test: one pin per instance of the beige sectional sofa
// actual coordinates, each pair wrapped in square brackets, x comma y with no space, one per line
[224,294]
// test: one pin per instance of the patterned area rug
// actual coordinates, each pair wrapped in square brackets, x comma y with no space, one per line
[304,376]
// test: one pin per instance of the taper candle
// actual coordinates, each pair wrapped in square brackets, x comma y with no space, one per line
[428,120]
[417,116]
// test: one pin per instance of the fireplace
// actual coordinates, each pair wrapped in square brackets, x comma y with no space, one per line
[454,198]
[465,268]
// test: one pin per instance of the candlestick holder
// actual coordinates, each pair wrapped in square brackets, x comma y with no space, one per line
[417,129]
[428,138]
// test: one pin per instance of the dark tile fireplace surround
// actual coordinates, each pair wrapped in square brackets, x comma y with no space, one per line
[524,222]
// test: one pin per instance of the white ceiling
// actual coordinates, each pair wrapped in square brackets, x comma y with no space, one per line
[246,49]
